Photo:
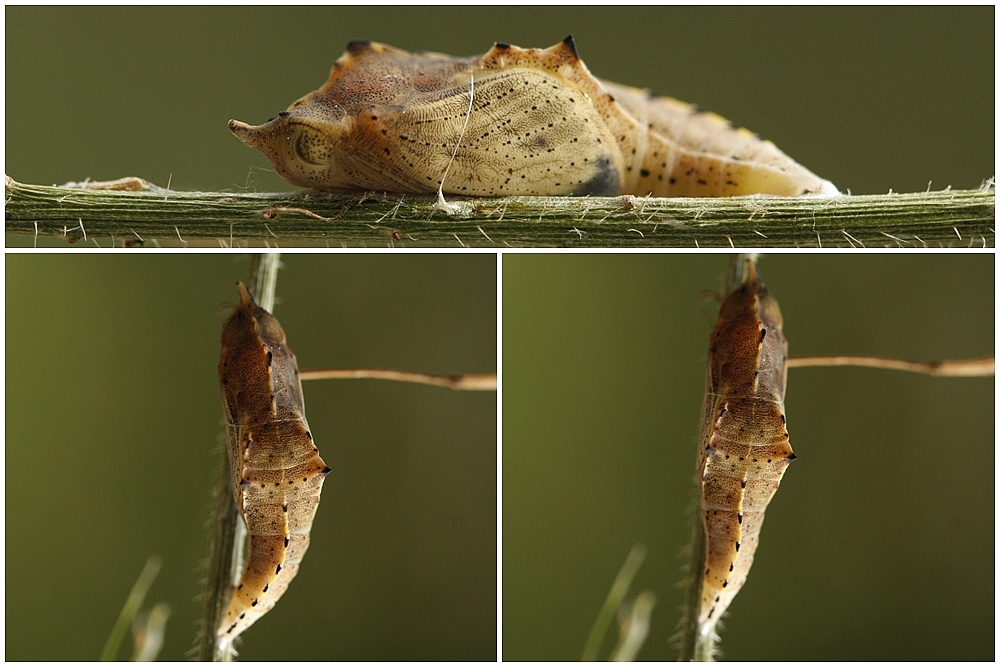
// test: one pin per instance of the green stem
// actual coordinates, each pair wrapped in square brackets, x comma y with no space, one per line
[225,561]
[619,589]
[635,628]
[150,633]
[952,218]
[131,608]
[696,645]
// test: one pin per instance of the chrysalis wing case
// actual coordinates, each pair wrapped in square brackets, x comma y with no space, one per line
[744,443]
[540,124]
[276,469]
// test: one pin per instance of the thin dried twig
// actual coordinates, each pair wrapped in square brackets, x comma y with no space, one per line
[484,382]
[961,368]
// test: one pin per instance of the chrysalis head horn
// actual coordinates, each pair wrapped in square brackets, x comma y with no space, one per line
[246,298]
[248,134]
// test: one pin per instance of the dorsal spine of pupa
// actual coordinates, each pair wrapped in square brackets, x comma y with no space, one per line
[539,123]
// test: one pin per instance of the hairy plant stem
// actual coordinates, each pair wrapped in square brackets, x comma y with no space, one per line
[697,642]
[154,216]
[696,645]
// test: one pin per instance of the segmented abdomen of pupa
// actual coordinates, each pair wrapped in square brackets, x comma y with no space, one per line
[745,447]
[539,123]
[681,151]
[276,470]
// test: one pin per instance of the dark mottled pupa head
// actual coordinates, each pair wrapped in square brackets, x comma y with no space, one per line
[299,145]
[750,298]
[250,320]
[306,143]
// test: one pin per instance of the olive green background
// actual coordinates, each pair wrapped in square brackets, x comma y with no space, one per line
[113,445]
[871,98]
[879,545]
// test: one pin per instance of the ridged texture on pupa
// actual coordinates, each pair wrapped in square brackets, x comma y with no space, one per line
[744,442]
[540,124]
[276,469]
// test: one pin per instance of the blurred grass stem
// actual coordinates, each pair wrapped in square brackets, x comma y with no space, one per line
[132,605]
[635,627]
[149,629]
[619,589]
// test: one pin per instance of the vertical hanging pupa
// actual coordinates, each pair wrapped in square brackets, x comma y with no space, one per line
[276,471]
[744,441]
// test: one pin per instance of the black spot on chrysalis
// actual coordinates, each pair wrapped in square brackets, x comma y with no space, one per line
[356,46]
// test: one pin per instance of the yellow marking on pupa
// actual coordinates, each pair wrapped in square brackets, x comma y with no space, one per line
[540,124]
[277,473]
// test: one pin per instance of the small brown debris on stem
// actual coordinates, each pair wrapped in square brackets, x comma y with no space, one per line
[129,184]
[272,212]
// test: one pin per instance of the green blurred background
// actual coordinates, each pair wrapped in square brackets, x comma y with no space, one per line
[113,430]
[879,545]
[871,98]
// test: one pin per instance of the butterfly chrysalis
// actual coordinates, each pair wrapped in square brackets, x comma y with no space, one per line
[538,123]
[276,471]
[744,441]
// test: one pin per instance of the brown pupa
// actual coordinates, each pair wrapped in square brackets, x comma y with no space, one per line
[744,442]
[538,123]
[277,473]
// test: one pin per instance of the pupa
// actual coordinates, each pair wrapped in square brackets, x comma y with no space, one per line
[511,122]
[744,440]
[276,471]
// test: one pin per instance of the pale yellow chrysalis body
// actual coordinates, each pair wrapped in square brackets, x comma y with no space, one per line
[277,473]
[539,124]
[744,442]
